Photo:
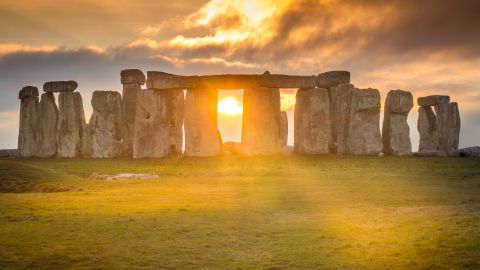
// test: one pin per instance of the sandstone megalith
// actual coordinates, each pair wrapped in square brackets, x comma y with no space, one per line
[363,131]
[47,126]
[28,133]
[284,128]
[427,128]
[60,86]
[261,123]
[439,127]
[132,80]
[71,126]
[339,96]
[312,133]
[158,123]
[448,126]
[332,78]
[202,137]
[106,125]
[396,132]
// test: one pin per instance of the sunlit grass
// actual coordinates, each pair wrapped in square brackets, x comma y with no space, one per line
[274,212]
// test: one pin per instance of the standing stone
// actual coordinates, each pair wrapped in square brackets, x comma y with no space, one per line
[284,128]
[202,137]
[175,113]
[106,125]
[339,114]
[427,129]
[448,126]
[158,123]
[312,131]
[132,79]
[261,122]
[396,132]
[71,125]
[47,126]
[363,130]
[28,134]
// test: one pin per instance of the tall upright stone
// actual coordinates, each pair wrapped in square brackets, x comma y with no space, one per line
[448,126]
[439,128]
[132,80]
[158,123]
[312,133]
[107,125]
[202,138]
[339,96]
[284,128]
[28,133]
[427,129]
[363,135]
[71,126]
[261,122]
[47,126]
[396,132]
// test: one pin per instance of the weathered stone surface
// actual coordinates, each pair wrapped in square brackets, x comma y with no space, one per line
[312,132]
[430,153]
[473,151]
[261,123]
[28,91]
[132,76]
[339,114]
[332,78]
[8,153]
[396,132]
[202,137]
[284,128]
[47,126]
[129,105]
[106,125]
[363,135]
[28,133]
[448,126]
[71,125]
[158,123]
[427,128]
[60,86]
[432,100]
[162,80]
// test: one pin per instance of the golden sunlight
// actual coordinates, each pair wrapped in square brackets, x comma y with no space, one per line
[229,106]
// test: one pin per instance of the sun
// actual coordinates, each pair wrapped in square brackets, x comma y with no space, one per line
[229,106]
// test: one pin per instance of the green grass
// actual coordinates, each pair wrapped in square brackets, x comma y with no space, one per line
[277,212]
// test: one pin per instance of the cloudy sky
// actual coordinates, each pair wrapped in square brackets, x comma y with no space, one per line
[424,46]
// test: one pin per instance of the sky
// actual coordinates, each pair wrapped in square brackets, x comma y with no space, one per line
[423,46]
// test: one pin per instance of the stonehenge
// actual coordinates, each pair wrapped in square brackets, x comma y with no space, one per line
[27,135]
[106,125]
[312,121]
[362,134]
[177,115]
[438,124]
[262,121]
[158,123]
[202,138]
[396,132]
[132,81]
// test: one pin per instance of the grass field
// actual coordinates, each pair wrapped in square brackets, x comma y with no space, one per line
[277,212]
